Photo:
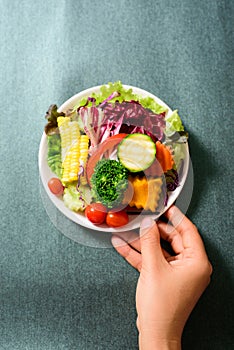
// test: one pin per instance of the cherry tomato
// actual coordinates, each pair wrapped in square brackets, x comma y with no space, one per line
[117,218]
[96,213]
[55,186]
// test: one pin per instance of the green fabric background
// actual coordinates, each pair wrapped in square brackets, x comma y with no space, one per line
[57,294]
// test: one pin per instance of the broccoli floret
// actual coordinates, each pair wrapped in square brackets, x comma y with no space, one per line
[109,181]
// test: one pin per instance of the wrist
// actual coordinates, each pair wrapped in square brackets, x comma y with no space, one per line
[149,341]
[159,344]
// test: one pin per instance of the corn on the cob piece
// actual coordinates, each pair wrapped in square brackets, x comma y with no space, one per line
[70,139]
[84,147]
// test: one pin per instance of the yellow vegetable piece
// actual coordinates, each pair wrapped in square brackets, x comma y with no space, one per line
[70,140]
[146,193]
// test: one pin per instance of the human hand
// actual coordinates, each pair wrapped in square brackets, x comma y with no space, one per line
[169,286]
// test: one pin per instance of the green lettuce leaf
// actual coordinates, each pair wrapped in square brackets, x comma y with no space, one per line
[150,103]
[54,158]
[178,153]
[107,90]
[77,200]
[174,122]
[123,95]
[52,114]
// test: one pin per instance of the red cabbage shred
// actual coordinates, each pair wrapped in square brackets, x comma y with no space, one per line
[135,118]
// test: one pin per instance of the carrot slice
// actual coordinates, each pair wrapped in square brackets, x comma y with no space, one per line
[164,156]
[108,144]
[163,162]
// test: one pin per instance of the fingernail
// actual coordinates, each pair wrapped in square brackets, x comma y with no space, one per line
[117,241]
[146,223]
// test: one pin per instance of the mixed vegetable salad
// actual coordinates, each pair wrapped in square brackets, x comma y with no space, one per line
[113,154]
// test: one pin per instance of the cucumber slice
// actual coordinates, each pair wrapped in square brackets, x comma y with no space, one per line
[136,152]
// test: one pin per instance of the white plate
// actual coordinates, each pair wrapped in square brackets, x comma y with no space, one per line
[79,218]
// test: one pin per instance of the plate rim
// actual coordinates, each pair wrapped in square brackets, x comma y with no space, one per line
[58,202]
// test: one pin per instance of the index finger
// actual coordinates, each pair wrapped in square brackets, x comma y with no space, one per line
[125,250]
[188,231]
[131,237]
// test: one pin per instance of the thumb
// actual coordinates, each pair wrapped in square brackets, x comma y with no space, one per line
[150,243]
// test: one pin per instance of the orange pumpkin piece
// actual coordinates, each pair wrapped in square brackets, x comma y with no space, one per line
[146,193]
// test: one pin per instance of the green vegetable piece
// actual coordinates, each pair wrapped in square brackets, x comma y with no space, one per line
[123,95]
[178,153]
[107,90]
[137,152]
[174,123]
[52,114]
[54,159]
[150,103]
[109,182]
[76,199]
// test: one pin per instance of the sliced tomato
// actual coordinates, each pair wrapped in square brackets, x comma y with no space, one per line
[108,144]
